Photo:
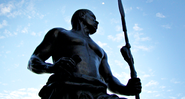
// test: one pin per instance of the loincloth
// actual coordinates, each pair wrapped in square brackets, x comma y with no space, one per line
[78,87]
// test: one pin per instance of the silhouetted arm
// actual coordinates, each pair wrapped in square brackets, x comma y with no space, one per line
[114,85]
[37,62]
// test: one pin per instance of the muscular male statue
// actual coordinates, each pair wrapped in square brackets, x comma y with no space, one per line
[80,68]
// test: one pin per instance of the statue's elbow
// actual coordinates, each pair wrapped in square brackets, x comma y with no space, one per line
[31,68]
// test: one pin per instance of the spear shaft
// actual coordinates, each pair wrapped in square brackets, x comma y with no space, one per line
[123,21]
[131,64]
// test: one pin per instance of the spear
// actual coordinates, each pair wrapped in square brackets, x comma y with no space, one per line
[127,55]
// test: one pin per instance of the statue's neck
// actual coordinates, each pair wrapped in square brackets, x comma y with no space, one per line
[83,30]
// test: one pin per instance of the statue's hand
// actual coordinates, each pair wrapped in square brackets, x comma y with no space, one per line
[66,64]
[133,86]
[125,51]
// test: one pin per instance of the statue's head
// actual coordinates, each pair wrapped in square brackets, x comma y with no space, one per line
[85,16]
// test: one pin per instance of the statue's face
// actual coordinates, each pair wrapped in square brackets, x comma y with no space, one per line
[91,22]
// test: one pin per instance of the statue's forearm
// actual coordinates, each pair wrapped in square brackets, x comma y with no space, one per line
[116,86]
[38,66]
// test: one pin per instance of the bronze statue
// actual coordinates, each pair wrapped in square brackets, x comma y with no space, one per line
[80,69]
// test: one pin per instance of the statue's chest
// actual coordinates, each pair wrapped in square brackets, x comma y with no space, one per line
[76,41]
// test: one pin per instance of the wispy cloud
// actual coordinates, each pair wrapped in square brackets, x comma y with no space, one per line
[101,44]
[175,81]
[100,31]
[160,15]
[162,87]
[139,8]
[118,37]
[137,28]
[4,84]
[119,63]
[114,21]
[128,9]
[146,76]
[25,30]
[29,93]
[138,37]
[149,91]
[33,33]
[166,26]
[4,23]
[14,8]
[141,47]
[171,97]
[122,76]
[8,33]
[151,83]
[20,44]
[149,1]
[6,8]
[118,28]
[2,37]
[63,10]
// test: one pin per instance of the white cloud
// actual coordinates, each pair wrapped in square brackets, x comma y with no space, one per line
[149,1]
[149,91]
[118,37]
[146,76]
[15,8]
[139,8]
[67,19]
[7,52]
[100,31]
[138,37]
[172,97]
[4,84]
[63,10]
[120,45]
[6,8]
[162,87]
[166,26]
[137,28]
[123,76]
[114,21]
[128,9]
[141,47]
[33,33]
[29,93]
[2,37]
[8,33]
[118,28]
[160,15]
[119,63]
[175,81]
[25,30]
[4,23]
[20,44]
[101,44]
[151,83]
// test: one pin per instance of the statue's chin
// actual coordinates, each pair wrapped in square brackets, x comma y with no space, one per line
[92,32]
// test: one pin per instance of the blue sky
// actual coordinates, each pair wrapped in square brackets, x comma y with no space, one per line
[155,28]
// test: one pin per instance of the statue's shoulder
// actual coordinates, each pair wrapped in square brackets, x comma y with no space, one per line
[56,32]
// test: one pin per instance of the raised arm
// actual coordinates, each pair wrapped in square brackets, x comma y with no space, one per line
[133,86]
[37,62]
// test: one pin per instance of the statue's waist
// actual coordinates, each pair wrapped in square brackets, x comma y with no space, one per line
[77,80]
